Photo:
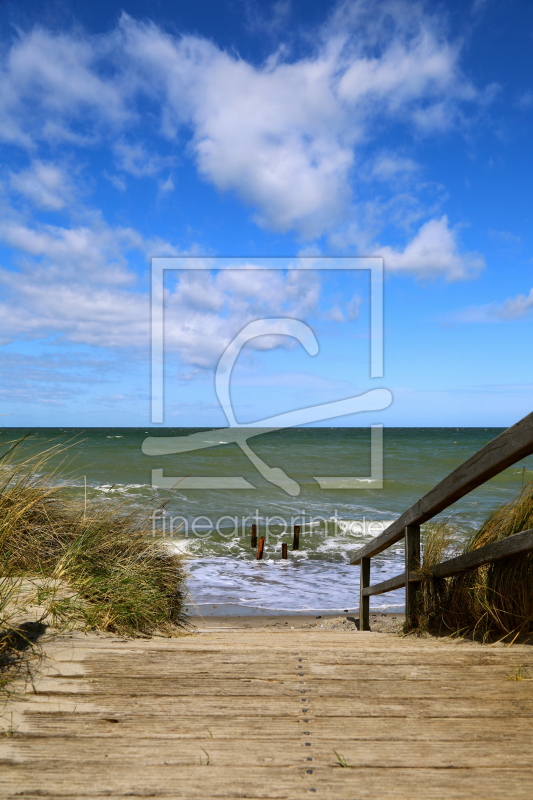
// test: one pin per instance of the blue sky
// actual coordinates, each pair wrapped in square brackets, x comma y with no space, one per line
[257,130]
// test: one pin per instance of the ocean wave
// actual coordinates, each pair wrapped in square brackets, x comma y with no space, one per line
[121,488]
[368,527]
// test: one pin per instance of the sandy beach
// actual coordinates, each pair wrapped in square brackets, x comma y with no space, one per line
[380,622]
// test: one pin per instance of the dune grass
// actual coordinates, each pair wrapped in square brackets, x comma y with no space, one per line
[493,600]
[92,564]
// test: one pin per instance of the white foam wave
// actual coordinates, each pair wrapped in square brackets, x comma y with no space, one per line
[365,527]
[121,487]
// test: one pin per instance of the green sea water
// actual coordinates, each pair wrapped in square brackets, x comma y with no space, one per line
[213,525]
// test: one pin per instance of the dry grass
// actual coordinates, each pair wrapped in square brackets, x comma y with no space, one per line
[496,599]
[91,564]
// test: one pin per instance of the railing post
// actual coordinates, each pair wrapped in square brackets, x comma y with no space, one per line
[412,564]
[364,600]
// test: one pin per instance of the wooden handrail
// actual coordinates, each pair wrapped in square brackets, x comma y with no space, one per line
[505,450]
[510,546]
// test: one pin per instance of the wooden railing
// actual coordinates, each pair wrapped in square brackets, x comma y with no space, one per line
[505,450]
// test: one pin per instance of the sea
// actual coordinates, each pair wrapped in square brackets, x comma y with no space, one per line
[211,525]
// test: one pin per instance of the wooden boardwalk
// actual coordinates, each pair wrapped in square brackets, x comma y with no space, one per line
[260,712]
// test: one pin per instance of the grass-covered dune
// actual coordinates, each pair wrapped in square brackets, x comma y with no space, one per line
[494,600]
[84,562]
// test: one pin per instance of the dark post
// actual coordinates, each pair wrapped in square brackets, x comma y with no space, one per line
[284,550]
[364,600]
[412,564]
[253,542]
[296,538]
[261,547]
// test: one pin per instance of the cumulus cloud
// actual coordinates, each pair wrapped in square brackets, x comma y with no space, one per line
[207,310]
[432,252]
[286,135]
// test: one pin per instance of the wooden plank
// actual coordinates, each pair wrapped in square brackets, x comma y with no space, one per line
[364,602]
[518,543]
[505,450]
[417,718]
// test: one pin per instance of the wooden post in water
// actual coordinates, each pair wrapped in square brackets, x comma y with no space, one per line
[296,538]
[412,564]
[253,541]
[364,600]
[284,550]
[260,547]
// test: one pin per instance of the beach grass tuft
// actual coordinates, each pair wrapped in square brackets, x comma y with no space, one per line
[496,599]
[85,562]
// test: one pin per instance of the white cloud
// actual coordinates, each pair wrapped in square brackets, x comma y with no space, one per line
[135,159]
[115,180]
[335,314]
[353,308]
[167,185]
[76,282]
[433,252]
[79,313]
[515,307]
[525,100]
[56,78]
[64,252]
[286,136]
[389,167]
[206,311]
[47,185]
[511,309]
[345,312]
[504,236]
[283,135]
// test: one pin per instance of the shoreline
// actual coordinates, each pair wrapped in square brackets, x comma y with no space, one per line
[380,622]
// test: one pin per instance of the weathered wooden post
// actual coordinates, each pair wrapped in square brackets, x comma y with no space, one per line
[284,550]
[260,547]
[412,564]
[253,541]
[364,600]
[296,538]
